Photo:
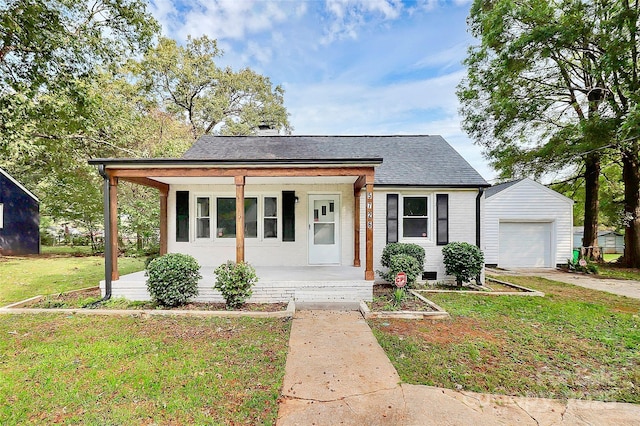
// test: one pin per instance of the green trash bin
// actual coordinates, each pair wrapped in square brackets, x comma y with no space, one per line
[576,255]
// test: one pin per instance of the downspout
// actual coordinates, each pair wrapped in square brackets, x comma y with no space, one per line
[479,280]
[107,237]
[478,216]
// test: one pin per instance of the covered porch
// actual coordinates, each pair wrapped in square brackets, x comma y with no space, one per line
[289,280]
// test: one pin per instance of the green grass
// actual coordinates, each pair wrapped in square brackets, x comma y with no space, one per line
[98,370]
[611,257]
[573,343]
[615,271]
[24,277]
[66,250]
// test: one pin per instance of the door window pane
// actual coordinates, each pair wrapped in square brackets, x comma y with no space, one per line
[323,233]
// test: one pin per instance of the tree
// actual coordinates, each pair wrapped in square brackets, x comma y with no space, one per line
[546,90]
[187,81]
[50,49]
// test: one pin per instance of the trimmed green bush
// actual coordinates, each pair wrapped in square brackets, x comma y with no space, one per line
[234,281]
[463,260]
[402,263]
[402,257]
[173,279]
[413,250]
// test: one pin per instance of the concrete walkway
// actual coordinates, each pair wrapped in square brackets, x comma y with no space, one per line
[627,288]
[337,374]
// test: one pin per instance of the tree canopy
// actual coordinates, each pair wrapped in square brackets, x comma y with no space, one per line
[553,86]
[187,80]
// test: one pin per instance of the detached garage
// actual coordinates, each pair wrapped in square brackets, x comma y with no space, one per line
[526,225]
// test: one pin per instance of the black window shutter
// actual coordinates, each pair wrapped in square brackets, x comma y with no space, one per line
[288,216]
[392,218]
[442,219]
[182,216]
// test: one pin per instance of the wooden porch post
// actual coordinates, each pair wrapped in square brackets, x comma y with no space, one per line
[239,219]
[164,193]
[113,226]
[356,226]
[368,273]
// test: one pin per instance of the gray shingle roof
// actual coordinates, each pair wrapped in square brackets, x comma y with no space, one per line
[500,187]
[407,160]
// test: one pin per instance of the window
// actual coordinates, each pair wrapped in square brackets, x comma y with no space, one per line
[442,219]
[392,218]
[270,229]
[226,218]
[415,220]
[203,217]
[1,215]
[288,216]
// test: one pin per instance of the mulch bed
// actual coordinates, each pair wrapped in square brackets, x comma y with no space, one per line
[77,299]
[383,300]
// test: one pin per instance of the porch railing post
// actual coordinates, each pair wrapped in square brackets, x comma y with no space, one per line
[356,226]
[239,218]
[164,193]
[113,226]
[368,273]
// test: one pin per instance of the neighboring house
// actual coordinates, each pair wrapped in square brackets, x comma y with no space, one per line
[300,202]
[608,241]
[19,218]
[526,224]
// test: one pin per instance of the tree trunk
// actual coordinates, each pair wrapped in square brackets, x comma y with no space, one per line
[631,179]
[591,207]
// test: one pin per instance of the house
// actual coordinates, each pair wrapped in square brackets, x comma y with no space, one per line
[311,213]
[609,241]
[526,224]
[19,218]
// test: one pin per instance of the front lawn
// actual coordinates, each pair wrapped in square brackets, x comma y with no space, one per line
[612,270]
[24,277]
[130,370]
[572,343]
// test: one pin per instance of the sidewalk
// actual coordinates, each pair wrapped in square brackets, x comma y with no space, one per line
[627,288]
[337,374]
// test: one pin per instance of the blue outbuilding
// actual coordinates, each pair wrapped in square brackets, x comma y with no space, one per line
[19,218]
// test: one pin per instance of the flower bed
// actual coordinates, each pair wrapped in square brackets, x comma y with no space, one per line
[412,305]
[82,298]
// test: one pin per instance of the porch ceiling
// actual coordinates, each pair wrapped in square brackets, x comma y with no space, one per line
[275,180]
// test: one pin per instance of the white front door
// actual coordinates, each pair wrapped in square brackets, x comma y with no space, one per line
[324,229]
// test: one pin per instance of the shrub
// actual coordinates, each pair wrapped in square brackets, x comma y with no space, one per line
[234,281]
[413,250]
[173,279]
[582,265]
[402,263]
[463,260]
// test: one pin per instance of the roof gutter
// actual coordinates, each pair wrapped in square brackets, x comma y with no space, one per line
[107,237]
[261,162]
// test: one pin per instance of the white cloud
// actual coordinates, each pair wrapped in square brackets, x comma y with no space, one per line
[220,19]
[350,15]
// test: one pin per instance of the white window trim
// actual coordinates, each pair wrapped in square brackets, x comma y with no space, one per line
[429,217]
[1,215]
[195,218]
[213,215]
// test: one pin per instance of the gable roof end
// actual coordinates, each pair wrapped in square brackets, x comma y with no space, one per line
[19,185]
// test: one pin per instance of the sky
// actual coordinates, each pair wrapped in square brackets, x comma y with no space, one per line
[348,67]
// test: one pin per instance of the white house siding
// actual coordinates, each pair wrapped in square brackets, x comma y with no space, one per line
[262,253]
[528,201]
[462,224]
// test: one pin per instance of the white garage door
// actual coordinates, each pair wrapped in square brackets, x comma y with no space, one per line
[525,244]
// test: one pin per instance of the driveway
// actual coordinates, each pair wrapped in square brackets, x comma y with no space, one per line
[621,287]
